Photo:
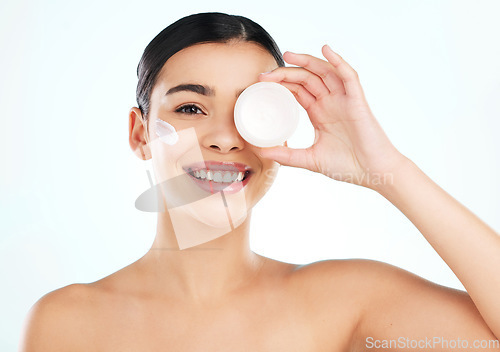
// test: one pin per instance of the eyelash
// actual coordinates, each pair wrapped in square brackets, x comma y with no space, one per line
[179,110]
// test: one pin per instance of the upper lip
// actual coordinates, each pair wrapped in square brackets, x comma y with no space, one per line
[218,166]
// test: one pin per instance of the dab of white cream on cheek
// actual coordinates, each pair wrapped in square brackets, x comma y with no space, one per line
[166,132]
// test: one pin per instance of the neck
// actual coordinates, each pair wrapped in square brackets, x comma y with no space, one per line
[203,272]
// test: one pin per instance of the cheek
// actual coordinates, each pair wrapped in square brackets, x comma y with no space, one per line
[269,175]
[171,148]
[166,132]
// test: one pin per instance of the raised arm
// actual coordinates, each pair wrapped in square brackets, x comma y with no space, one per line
[469,246]
[351,146]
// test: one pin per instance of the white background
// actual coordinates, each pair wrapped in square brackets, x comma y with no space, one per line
[69,179]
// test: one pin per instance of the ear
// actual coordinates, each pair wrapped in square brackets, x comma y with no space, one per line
[137,134]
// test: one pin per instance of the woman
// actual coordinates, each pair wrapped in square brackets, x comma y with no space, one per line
[201,288]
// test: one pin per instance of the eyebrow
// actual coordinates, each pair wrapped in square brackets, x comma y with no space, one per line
[196,88]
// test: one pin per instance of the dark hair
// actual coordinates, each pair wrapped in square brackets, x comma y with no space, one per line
[208,27]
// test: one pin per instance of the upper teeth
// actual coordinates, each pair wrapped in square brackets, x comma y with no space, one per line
[218,176]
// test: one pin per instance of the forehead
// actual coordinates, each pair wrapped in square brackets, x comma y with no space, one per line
[217,64]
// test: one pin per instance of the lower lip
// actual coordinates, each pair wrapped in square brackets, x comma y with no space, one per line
[228,188]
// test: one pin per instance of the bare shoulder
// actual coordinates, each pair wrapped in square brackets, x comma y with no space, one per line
[333,293]
[343,280]
[387,280]
[348,273]
[374,280]
[57,321]
[335,282]
[391,302]
[364,273]
[357,292]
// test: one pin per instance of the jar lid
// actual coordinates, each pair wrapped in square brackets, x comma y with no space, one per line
[266,114]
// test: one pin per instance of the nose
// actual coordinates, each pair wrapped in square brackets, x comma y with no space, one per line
[223,136]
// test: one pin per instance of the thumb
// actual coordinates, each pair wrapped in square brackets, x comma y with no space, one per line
[287,156]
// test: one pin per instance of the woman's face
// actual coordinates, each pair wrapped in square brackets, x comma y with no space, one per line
[203,117]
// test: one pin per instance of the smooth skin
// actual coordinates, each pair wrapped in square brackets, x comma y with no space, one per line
[236,300]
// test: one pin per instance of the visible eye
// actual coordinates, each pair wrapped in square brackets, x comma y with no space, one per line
[189,109]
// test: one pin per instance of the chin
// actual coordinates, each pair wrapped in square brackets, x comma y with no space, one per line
[212,212]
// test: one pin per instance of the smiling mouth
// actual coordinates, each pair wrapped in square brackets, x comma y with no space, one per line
[214,176]
[218,176]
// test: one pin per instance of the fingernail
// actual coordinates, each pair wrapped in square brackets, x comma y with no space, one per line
[265,73]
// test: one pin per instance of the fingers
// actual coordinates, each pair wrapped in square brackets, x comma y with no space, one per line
[319,77]
[348,75]
[305,99]
[309,81]
[302,95]
[288,156]
[320,68]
